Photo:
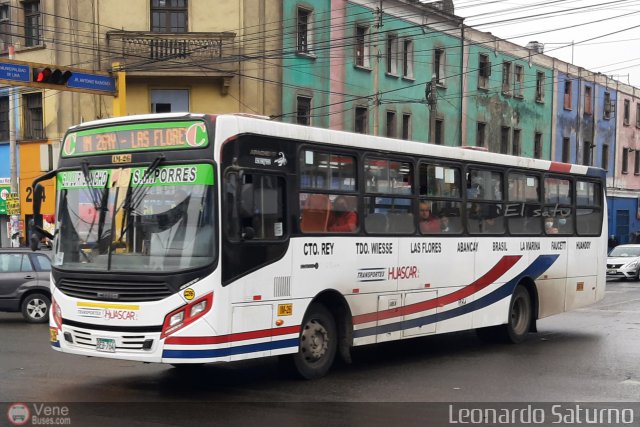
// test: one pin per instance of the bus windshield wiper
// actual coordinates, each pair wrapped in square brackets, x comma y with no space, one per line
[136,195]
[89,180]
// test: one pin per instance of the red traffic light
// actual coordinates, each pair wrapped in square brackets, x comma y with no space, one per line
[43,75]
[56,76]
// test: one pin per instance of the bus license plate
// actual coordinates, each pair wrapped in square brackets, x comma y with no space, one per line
[612,271]
[106,345]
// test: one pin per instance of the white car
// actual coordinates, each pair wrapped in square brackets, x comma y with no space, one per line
[623,262]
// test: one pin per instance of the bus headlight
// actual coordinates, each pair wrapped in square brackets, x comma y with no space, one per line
[176,318]
[186,314]
[198,308]
[56,313]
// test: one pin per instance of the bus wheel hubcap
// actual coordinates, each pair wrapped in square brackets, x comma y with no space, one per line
[314,341]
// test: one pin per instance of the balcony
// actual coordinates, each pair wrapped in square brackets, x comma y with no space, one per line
[174,54]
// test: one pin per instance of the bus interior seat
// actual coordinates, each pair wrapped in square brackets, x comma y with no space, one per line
[375,223]
[315,213]
[401,223]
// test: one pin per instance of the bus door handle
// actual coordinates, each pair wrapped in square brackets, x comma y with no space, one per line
[28,276]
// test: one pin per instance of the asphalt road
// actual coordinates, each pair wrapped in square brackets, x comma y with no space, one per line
[589,355]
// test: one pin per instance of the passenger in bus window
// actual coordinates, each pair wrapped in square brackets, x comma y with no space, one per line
[550,226]
[429,223]
[343,217]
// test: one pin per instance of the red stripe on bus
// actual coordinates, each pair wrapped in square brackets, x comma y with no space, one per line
[242,336]
[490,277]
[560,167]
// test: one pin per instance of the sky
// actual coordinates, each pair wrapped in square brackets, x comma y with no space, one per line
[605,34]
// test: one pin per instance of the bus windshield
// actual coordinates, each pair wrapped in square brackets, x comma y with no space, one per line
[136,219]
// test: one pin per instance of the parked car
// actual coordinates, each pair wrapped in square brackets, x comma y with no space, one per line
[623,262]
[24,283]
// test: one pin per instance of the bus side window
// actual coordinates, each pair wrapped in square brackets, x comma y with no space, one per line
[314,213]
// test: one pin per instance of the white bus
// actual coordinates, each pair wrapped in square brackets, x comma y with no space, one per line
[192,238]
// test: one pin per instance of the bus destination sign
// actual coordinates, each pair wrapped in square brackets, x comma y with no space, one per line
[136,137]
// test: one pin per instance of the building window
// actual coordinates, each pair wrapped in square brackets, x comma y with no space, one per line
[169,16]
[5,27]
[170,100]
[303,110]
[32,111]
[504,140]
[636,165]
[605,157]
[484,71]
[481,135]
[303,38]
[391,124]
[439,134]
[606,108]
[537,146]
[540,83]
[586,153]
[392,54]
[566,150]
[407,59]
[515,143]
[438,65]
[518,80]
[4,118]
[31,23]
[627,112]
[406,126]
[362,46]
[361,120]
[625,160]
[638,115]
[567,95]
[506,77]
[588,102]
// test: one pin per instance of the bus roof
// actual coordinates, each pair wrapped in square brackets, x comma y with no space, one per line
[235,124]
[245,123]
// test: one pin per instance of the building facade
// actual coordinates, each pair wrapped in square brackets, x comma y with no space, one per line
[177,55]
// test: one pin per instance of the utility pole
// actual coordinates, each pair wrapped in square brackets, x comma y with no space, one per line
[14,219]
[431,94]
[376,77]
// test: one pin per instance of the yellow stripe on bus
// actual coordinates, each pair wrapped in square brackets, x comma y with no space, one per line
[106,305]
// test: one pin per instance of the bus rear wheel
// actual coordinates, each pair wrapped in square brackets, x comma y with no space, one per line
[518,322]
[517,327]
[318,343]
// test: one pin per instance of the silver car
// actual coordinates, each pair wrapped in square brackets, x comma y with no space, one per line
[24,283]
[623,262]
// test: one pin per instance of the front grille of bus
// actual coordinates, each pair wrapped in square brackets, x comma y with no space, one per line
[114,290]
[614,265]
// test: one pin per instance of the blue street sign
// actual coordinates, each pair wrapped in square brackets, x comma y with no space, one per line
[92,82]
[15,72]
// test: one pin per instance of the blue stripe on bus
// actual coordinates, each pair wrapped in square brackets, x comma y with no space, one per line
[55,344]
[597,172]
[223,352]
[539,266]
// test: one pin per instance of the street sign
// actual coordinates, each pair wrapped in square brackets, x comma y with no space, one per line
[92,82]
[55,77]
[15,72]
[13,204]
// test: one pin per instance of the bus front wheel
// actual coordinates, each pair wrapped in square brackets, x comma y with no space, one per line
[318,343]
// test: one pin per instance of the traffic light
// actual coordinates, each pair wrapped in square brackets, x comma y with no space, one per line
[54,76]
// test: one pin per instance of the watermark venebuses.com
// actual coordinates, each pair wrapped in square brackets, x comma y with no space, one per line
[545,414]
[20,414]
